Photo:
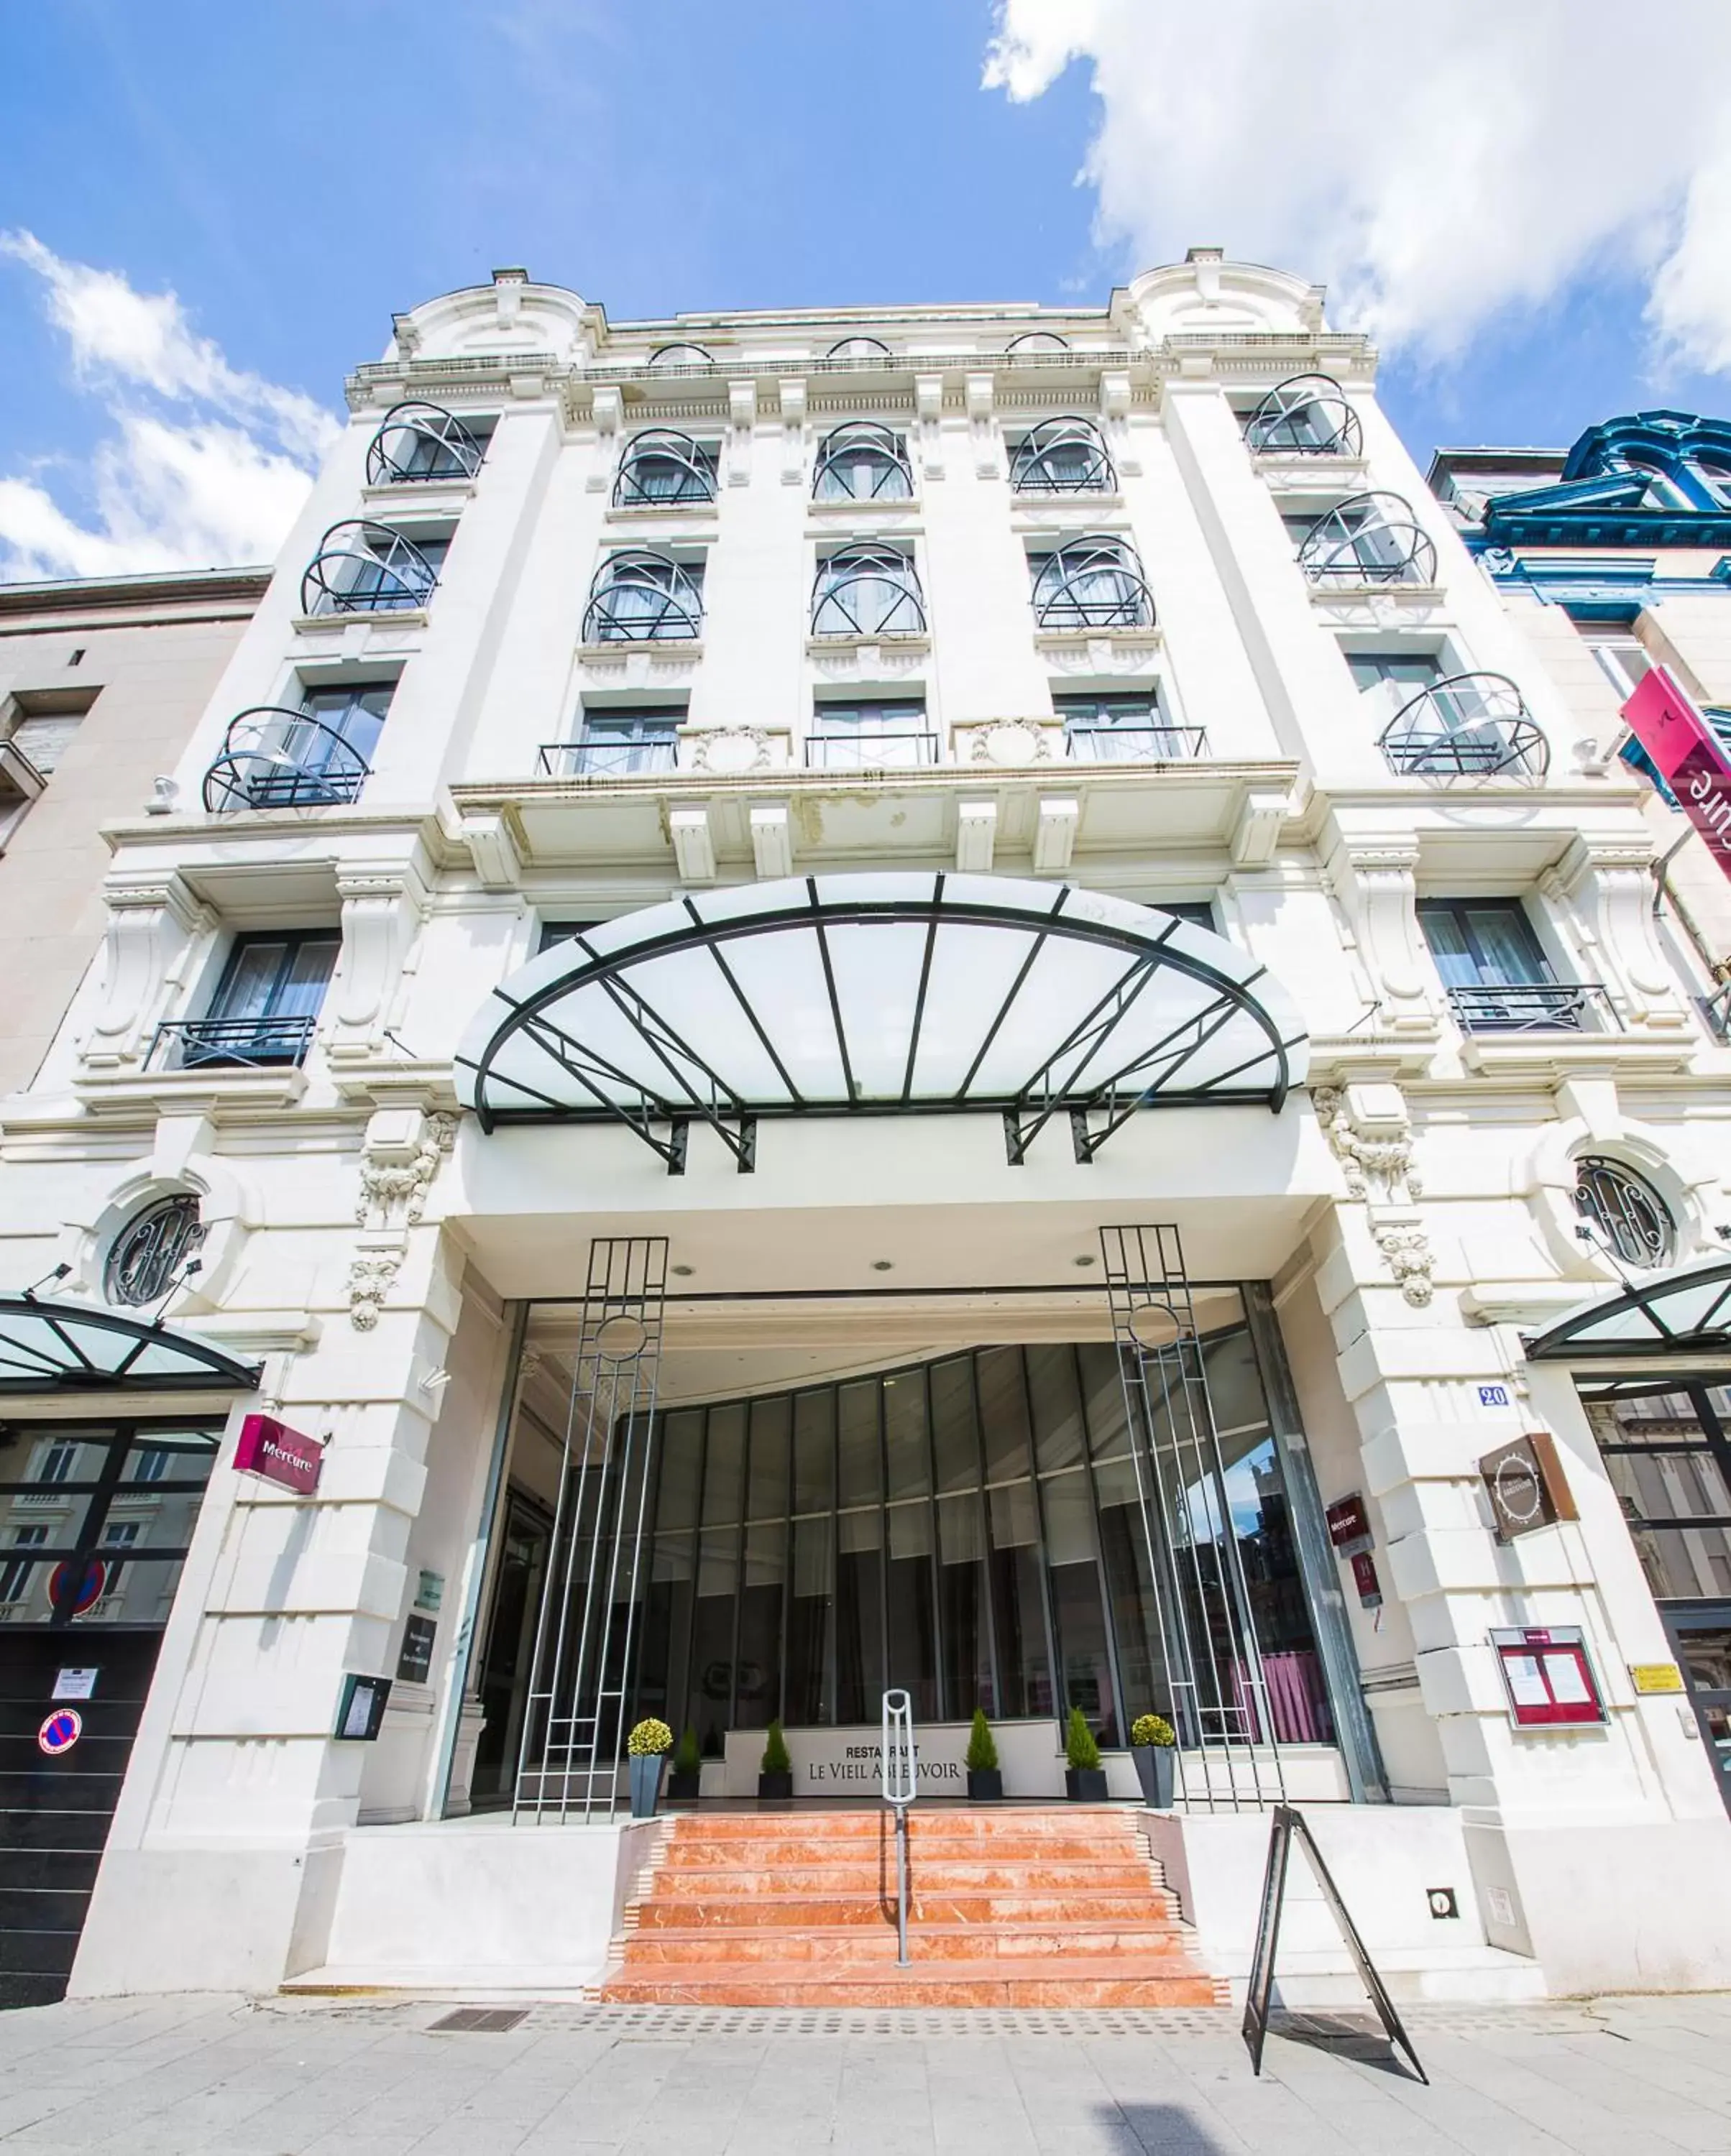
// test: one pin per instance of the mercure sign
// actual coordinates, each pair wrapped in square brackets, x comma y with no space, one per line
[1688,757]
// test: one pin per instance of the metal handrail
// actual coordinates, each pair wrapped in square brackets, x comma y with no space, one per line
[1149,744]
[898,1792]
[251,1042]
[1531,1006]
[866,749]
[607,759]
[276,756]
[1466,726]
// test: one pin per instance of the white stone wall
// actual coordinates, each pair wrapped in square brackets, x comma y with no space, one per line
[1413,1211]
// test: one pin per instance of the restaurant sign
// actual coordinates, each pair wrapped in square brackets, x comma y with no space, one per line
[1688,756]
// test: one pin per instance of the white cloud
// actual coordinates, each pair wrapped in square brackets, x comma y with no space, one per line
[1432,166]
[205,465]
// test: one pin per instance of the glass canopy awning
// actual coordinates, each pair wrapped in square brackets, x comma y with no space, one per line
[1684,1313]
[62,1348]
[880,995]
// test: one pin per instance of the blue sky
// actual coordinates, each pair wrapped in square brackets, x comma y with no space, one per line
[295,174]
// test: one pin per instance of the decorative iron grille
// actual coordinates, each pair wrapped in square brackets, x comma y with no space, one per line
[146,1258]
[1369,539]
[661,468]
[276,758]
[1627,1211]
[859,347]
[1531,1006]
[643,597]
[867,590]
[863,461]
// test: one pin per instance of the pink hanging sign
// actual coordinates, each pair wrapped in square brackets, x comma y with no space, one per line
[1688,756]
[274,1452]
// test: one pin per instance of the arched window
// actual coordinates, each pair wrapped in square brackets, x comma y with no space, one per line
[1095,582]
[147,1256]
[1062,456]
[863,461]
[679,355]
[1306,415]
[643,597]
[859,347]
[1369,539]
[1630,1215]
[867,590]
[419,441]
[662,467]
[1033,342]
[363,567]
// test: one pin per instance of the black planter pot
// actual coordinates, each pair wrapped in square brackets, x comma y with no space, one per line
[1153,1770]
[645,1782]
[683,1788]
[776,1785]
[1085,1785]
[985,1784]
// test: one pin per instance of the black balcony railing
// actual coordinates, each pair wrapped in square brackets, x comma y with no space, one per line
[1533,1007]
[607,759]
[1151,744]
[1470,726]
[198,1044]
[896,751]
[276,757]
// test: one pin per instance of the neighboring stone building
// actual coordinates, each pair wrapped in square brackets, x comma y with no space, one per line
[1612,555]
[101,683]
[928,998]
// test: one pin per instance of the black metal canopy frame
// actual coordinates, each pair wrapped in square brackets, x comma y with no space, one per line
[880,994]
[1687,1311]
[65,1347]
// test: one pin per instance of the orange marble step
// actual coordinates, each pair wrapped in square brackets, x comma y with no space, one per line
[927,1943]
[1099,1983]
[792,1912]
[728,1882]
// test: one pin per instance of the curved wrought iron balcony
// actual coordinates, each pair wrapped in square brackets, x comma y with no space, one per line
[1533,1007]
[1468,725]
[194,1044]
[420,441]
[661,468]
[862,461]
[1062,456]
[1306,415]
[274,758]
[1369,539]
[364,567]
[867,590]
[643,597]
[1092,582]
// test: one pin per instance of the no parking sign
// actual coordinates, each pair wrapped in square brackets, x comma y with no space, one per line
[60,1731]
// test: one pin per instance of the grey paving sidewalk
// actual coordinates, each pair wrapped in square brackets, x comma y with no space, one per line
[160,2077]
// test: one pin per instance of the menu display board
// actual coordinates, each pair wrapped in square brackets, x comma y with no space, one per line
[1548,1677]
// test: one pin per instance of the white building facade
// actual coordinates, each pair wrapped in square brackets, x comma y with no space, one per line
[859,922]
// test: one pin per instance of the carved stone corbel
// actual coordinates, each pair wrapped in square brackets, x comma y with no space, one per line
[154,921]
[791,391]
[369,1282]
[1370,1135]
[742,420]
[1608,886]
[1377,884]
[402,1154]
[383,910]
[1407,1253]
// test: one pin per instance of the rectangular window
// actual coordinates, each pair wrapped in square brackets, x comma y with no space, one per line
[267,1004]
[45,738]
[619,745]
[15,1572]
[1496,975]
[1129,727]
[308,757]
[879,737]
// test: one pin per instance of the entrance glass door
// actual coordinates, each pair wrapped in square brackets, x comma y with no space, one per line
[1702,1640]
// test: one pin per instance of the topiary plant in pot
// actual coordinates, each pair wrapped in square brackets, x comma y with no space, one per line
[985,1783]
[648,1744]
[1084,1777]
[775,1769]
[686,1780]
[1154,1746]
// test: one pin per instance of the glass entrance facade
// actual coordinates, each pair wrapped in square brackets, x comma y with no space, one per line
[969,1526]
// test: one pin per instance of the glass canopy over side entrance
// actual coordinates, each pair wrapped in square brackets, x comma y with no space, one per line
[965,1525]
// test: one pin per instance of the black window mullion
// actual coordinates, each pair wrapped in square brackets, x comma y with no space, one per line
[941,1688]
[95,1519]
[1043,1567]
[983,1500]
[1121,1717]
[883,1537]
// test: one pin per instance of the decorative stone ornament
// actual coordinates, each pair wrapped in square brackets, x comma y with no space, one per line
[1369,1134]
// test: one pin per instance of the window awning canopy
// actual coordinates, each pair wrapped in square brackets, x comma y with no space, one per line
[64,1347]
[1687,1311]
[879,994]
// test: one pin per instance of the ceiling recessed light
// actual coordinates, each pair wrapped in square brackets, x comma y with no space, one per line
[685,1272]
[883,1265]
[1084,1259]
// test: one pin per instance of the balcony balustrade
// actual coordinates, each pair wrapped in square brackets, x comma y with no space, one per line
[276,758]
[196,1044]
[1470,726]
[1533,1007]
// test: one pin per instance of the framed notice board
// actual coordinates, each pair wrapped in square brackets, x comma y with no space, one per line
[1547,1677]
